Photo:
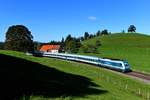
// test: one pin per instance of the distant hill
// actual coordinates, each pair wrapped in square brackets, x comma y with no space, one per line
[133,47]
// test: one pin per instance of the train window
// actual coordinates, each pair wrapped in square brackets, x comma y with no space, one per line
[126,64]
[117,64]
[111,63]
[103,62]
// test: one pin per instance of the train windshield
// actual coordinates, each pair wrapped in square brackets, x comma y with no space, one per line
[126,64]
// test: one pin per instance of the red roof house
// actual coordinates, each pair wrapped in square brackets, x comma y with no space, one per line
[50,48]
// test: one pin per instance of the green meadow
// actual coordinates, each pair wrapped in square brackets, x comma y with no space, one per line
[133,47]
[52,79]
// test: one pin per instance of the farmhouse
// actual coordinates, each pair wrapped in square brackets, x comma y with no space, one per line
[50,48]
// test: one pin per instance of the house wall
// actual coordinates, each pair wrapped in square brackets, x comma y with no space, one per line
[54,51]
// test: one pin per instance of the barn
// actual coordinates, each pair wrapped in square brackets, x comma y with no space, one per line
[50,48]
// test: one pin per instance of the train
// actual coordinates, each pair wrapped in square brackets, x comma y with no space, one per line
[115,64]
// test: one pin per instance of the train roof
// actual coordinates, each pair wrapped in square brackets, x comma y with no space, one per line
[90,57]
[113,59]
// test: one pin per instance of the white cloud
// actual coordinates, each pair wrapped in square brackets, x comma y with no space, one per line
[92,18]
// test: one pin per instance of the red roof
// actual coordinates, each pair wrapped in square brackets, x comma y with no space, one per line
[50,47]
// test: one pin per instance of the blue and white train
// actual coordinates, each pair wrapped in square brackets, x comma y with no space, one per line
[120,65]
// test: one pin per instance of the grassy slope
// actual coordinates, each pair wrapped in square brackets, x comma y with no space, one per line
[132,46]
[117,87]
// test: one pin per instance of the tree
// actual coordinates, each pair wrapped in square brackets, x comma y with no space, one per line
[78,43]
[98,33]
[62,45]
[19,38]
[37,45]
[86,35]
[98,43]
[71,44]
[91,36]
[104,32]
[132,28]
[54,42]
[68,38]
[82,38]
[89,48]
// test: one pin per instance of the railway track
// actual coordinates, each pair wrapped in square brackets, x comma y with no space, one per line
[134,74]
[139,75]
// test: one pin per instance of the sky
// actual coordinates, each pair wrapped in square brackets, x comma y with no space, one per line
[53,19]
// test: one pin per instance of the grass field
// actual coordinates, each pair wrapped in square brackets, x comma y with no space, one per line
[53,79]
[133,47]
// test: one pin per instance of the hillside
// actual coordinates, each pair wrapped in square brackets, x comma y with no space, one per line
[133,47]
[38,78]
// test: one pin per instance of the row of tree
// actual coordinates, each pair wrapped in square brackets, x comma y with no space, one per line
[72,44]
[19,38]
[98,33]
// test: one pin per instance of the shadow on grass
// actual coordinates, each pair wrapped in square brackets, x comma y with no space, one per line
[19,77]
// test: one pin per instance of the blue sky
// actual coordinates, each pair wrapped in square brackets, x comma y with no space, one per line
[53,19]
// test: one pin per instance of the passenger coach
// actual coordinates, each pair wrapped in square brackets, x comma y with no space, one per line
[116,64]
